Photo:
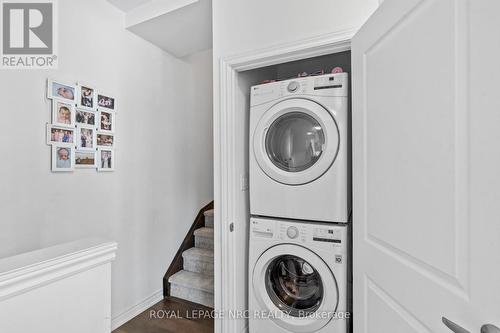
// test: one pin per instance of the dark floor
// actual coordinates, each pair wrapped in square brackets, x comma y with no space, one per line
[169,316]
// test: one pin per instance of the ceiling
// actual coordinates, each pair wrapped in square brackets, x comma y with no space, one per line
[127,5]
[180,27]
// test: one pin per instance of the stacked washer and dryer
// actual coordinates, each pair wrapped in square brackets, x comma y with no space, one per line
[300,204]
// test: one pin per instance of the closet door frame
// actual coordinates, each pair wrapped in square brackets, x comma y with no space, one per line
[231,216]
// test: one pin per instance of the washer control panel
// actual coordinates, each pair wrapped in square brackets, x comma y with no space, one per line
[292,232]
[327,234]
[320,234]
[295,232]
[262,228]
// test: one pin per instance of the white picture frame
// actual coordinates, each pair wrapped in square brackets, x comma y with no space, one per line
[86,138]
[105,101]
[104,165]
[110,127]
[103,140]
[58,108]
[61,91]
[59,164]
[84,101]
[57,135]
[85,159]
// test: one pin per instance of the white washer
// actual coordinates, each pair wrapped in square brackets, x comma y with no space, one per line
[297,277]
[299,149]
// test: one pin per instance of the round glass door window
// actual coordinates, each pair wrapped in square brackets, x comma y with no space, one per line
[295,141]
[294,286]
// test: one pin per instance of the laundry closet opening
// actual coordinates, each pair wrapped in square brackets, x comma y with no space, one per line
[314,66]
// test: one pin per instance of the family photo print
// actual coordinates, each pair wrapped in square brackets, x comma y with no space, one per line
[82,128]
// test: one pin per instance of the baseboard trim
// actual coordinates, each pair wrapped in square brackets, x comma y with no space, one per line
[137,309]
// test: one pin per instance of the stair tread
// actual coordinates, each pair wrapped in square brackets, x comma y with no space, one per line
[193,280]
[204,232]
[209,212]
[199,253]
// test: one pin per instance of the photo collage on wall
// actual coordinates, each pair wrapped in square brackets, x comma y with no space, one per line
[82,128]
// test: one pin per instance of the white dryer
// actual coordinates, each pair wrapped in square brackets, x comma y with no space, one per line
[297,277]
[299,149]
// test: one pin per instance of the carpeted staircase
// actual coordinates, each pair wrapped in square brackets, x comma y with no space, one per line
[195,282]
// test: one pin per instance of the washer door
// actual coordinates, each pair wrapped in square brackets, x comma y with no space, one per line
[295,288]
[296,141]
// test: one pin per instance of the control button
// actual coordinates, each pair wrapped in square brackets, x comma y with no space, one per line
[292,232]
[293,86]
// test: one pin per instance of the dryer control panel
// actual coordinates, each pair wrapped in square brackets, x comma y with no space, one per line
[329,85]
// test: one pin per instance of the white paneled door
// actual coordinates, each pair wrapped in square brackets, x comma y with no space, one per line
[426,157]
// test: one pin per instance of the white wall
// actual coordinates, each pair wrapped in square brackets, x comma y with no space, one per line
[163,151]
[73,279]
[241,25]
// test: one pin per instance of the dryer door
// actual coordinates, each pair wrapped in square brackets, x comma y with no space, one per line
[297,291]
[296,141]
